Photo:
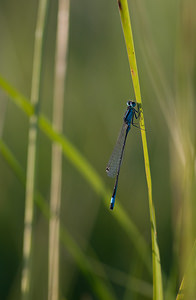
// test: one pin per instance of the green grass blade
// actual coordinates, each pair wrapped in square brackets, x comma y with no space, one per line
[86,170]
[21,101]
[8,156]
[126,25]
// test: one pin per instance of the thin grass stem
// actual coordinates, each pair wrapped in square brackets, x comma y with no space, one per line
[31,152]
[56,169]
[126,25]
[185,97]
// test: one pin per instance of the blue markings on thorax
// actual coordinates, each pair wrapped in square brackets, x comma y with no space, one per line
[129,116]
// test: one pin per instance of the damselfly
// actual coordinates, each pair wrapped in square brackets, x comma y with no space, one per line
[114,164]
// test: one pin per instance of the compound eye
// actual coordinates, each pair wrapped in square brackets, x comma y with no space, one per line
[131,103]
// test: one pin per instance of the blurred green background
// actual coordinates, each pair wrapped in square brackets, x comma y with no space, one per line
[97,87]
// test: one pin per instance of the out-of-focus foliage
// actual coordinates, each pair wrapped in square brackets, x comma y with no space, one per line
[97,88]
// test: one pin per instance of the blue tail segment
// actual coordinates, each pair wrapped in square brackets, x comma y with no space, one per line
[112,202]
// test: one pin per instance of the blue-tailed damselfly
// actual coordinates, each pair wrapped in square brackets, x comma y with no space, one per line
[114,164]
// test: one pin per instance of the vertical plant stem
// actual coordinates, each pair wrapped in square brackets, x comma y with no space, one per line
[126,25]
[185,96]
[32,146]
[55,198]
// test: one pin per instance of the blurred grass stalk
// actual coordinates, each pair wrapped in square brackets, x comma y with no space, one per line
[185,98]
[126,24]
[56,169]
[187,288]
[32,147]
[122,279]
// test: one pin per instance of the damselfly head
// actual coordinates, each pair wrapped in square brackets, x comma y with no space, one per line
[131,103]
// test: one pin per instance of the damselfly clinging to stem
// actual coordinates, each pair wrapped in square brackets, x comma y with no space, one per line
[114,164]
